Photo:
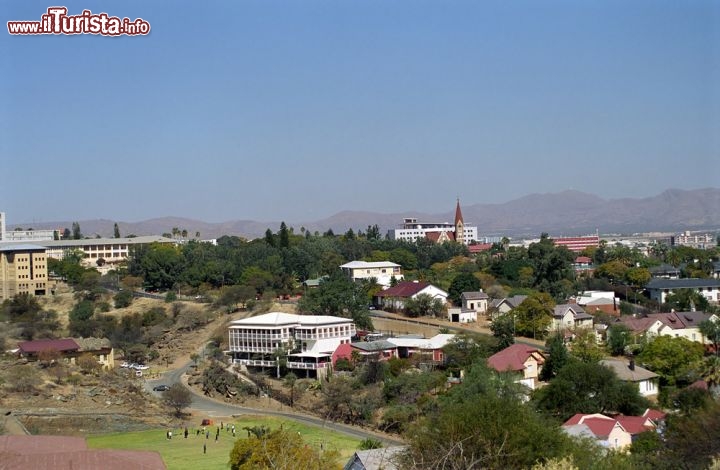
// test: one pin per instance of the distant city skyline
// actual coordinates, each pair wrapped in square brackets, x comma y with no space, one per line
[298,110]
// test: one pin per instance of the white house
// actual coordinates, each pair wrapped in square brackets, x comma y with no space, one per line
[477,301]
[505,305]
[311,340]
[462,315]
[660,288]
[382,271]
[647,381]
[570,317]
[676,324]
[396,296]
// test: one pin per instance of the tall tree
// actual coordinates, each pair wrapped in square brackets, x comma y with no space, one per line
[116,231]
[557,357]
[76,233]
[534,315]
[284,236]
[671,358]
[503,328]
[463,282]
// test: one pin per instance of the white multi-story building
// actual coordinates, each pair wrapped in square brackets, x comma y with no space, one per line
[411,230]
[381,271]
[701,241]
[310,340]
[2,226]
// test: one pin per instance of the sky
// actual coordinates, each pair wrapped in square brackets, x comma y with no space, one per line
[295,110]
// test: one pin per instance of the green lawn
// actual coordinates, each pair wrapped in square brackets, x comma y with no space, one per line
[180,453]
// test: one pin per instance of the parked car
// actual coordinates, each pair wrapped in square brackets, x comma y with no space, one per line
[161,388]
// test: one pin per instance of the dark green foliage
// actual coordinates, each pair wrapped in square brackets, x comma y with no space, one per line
[503,328]
[408,386]
[370,443]
[338,296]
[582,387]
[463,282]
[483,424]
[177,397]
[618,338]
[123,299]
[466,348]
[557,358]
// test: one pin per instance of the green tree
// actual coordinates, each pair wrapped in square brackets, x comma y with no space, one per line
[116,230]
[618,338]
[584,346]
[123,299]
[290,381]
[76,233]
[671,358]
[466,349]
[534,315]
[503,329]
[683,300]
[284,236]
[711,330]
[280,450]
[482,423]
[463,282]
[422,305]
[557,357]
[583,387]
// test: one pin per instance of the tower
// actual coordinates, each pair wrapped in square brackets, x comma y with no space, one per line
[459,224]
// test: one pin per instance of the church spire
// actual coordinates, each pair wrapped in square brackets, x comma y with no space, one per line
[458,213]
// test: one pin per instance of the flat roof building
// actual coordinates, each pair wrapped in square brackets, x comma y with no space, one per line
[23,269]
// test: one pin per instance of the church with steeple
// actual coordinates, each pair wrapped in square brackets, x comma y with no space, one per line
[439,232]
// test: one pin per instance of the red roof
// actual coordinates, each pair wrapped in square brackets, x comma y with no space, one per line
[404,289]
[601,427]
[583,260]
[655,415]
[479,247]
[343,351]
[635,424]
[435,236]
[38,345]
[513,357]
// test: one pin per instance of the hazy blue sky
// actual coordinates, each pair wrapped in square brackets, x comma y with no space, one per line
[297,109]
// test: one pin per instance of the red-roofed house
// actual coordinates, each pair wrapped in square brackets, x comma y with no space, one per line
[656,416]
[608,431]
[479,248]
[526,361]
[395,297]
[616,433]
[31,349]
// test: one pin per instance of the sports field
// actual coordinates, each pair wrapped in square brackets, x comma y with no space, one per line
[180,453]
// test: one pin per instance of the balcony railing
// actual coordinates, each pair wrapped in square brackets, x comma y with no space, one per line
[251,349]
[307,365]
[244,335]
[255,362]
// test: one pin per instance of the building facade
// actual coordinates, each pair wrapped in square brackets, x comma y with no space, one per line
[411,230]
[309,340]
[381,271]
[659,289]
[578,244]
[23,269]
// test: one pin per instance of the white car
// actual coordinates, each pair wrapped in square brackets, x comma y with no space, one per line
[125,365]
[141,367]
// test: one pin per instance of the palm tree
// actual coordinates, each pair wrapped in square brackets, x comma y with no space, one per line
[175,232]
[184,233]
[197,234]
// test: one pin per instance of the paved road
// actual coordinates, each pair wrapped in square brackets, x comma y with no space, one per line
[210,407]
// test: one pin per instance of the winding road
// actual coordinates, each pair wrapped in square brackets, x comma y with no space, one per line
[215,408]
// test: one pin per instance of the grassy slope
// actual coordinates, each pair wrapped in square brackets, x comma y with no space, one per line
[179,453]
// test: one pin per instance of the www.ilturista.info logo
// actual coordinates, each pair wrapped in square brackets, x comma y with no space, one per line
[57,21]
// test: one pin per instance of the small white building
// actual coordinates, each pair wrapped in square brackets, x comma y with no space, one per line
[396,296]
[462,315]
[382,271]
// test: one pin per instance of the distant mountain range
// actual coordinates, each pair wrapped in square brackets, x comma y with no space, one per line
[563,213]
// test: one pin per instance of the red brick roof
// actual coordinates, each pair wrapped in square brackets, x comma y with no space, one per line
[635,424]
[513,357]
[479,247]
[655,415]
[404,289]
[435,236]
[38,345]
[70,453]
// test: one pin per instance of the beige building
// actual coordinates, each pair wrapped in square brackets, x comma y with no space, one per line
[23,269]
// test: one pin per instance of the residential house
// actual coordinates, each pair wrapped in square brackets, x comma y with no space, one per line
[383,458]
[381,349]
[502,306]
[477,301]
[676,324]
[479,248]
[70,349]
[311,340]
[646,381]
[461,315]
[521,359]
[570,317]
[615,433]
[427,349]
[595,301]
[665,271]
[395,297]
[583,265]
[382,271]
[659,289]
